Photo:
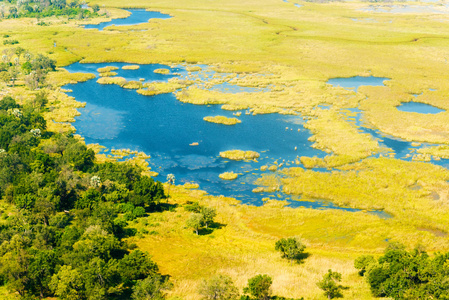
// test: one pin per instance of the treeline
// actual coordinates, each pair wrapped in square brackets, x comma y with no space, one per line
[63,228]
[47,8]
[18,63]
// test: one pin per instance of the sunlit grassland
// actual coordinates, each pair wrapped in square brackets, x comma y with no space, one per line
[242,245]
[416,194]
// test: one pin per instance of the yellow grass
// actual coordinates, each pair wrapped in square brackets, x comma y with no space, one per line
[131,67]
[222,120]
[228,176]
[239,154]
[106,69]
[244,245]
[162,71]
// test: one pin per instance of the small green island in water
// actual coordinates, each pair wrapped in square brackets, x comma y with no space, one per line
[345,197]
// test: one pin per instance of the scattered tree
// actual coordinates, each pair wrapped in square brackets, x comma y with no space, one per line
[195,221]
[330,285]
[259,287]
[290,248]
[209,214]
[219,287]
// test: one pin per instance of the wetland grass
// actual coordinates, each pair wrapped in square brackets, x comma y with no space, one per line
[293,54]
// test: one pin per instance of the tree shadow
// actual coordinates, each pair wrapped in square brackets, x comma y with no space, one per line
[300,258]
[161,207]
[210,228]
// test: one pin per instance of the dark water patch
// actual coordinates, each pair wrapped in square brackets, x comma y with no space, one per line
[138,16]
[353,83]
[420,108]
[298,5]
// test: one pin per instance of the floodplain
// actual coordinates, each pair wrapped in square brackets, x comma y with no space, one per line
[287,55]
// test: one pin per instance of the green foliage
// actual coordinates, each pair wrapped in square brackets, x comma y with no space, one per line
[259,287]
[402,274]
[195,221]
[209,215]
[79,156]
[147,192]
[151,288]
[330,285]
[71,9]
[219,287]
[362,263]
[290,248]
[10,42]
[65,238]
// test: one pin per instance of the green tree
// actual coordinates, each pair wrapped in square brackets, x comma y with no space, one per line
[41,269]
[195,221]
[67,283]
[363,263]
[151,288]
[95,8]
[79,156]
[290,248]
[259,287]
[5,77]
[330,285]
[219,287]
[209,215]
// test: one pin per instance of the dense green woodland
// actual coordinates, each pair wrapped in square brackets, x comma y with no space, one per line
[46,8]
[65,237]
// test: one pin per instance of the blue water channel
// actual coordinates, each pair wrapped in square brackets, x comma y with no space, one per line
[164,128]
[138,16]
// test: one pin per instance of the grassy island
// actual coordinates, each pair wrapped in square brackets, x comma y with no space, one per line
[239,155]
[228,176]
[222,120]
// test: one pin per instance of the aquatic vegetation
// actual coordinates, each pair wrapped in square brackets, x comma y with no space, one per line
[106,69]
[156,88]
[436,151]
[108,74]
[239,155]
[120,81]
[222,120]
[132,85]
[63,77]
[162,71]
[131,67]
[228,176]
